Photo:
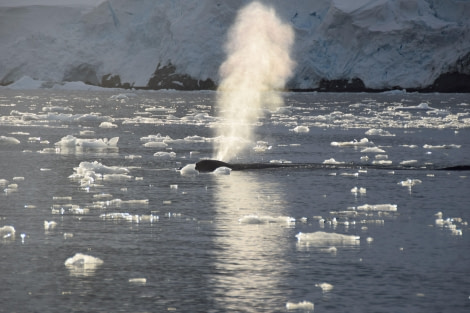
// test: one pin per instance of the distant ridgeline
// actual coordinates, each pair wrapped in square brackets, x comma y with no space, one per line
[166,77]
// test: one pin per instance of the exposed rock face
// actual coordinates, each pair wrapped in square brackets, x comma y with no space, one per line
[165,77]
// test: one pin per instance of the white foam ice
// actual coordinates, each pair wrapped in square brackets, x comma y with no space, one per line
[266,219]
[304,305]
[321,238]
[353,143]
[7,232]
[378,207]
[82,264]
[6,140]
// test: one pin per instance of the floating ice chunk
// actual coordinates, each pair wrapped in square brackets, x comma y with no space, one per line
[189,170]
[3,182]
[408,162]
[4,140]
[451,146]
[304,305]
[222,171]
[82,264]
[321,238]
[116,177]
[107,125]
[49,225]
[372,150]
[422,106]
[378,132]
[155,144]
[164,155]
[382,162]
[378,207]
[332,161]
[360,190]
[7,232]
[409,182]
[138,281]
[325,287]
[300,129]
[265,219]
[354,143]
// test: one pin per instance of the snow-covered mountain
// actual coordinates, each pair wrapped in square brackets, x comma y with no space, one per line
[377,44]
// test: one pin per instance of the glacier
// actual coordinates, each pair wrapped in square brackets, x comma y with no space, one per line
[174,44]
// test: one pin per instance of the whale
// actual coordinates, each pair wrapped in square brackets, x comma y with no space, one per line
[209,165]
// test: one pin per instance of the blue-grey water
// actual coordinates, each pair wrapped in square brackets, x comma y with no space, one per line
[227,243]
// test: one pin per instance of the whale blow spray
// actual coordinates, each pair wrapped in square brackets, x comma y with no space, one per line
[257,64]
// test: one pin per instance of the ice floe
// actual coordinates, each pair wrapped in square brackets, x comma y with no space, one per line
[189,170]
[117,216]
[378,207]
[89,172]
[321,238]
[332,161]
[378,132]
[82,264]
[161,155]
[372,150]
[451,146]
[300,129]
[409,182]
[5,140]
[49,225]
[304,305]
[354,143]
[70,143]
[266,219]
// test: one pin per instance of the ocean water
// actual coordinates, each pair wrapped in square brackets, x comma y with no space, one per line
[148,237]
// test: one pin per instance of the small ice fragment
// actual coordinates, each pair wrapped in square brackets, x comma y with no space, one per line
[7,232]
[372,150]
[300,129]
[138,281]
[174,187]
[408,162]
[49,225]
[369,239]
[378,207]
[382,162]
[332,161]
[325,287]
[82,264]
[409,182]
[304,305]
[23,236]
[68,235]
[107,125]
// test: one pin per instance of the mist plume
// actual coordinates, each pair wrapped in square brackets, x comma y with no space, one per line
[257,66]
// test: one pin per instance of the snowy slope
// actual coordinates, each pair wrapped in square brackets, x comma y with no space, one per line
[385,43]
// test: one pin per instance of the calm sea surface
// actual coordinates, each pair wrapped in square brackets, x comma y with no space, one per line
[148,237]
